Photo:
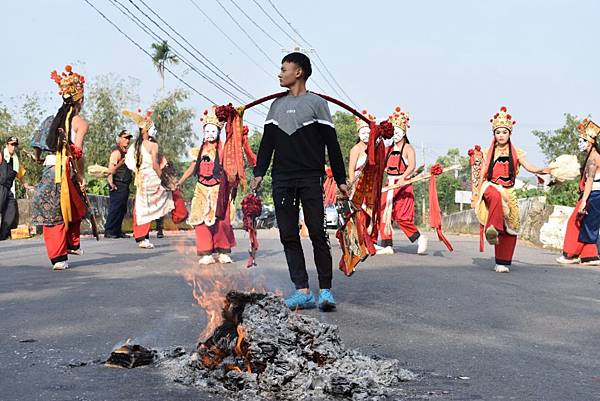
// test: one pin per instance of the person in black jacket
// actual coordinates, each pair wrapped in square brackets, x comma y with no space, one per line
[7,177]
[297,131]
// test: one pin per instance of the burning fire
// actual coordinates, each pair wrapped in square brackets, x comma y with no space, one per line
[211,283]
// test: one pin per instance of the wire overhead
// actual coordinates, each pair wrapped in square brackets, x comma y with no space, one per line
[129,14]
[310,45]
[149,55]
[237,46]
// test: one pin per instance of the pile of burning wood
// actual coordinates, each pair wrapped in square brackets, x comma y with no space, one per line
[262,350]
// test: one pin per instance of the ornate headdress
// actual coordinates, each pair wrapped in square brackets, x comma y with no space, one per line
[70,83]
[360,123]
[588,130]
[142,121]
[502,120]
[210,117]
[399,119]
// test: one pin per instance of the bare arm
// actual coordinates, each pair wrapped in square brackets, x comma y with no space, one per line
[531,168]
[113,164]
[80,126]
[590,172]
[411,162]
[154,153]
[187,173]
[352,163]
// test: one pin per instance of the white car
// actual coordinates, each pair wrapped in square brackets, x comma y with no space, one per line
[331,216]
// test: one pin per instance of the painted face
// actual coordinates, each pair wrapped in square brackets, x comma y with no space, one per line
[583,145]
[211,133]
[502,135]
[398,134]
[152,132]
[363,134]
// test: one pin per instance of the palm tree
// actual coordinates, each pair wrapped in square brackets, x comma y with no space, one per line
[162,55]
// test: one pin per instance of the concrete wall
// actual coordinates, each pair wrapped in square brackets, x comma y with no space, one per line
[541,223]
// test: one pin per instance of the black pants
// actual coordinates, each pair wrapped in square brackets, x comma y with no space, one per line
[117,208]
[10,214]
[287,196]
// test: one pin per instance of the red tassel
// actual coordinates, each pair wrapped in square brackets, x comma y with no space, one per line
[435,214]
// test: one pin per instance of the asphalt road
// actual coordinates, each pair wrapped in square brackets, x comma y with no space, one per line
[470,333]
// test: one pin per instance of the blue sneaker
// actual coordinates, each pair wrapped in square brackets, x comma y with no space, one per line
[300,300]
[326,301]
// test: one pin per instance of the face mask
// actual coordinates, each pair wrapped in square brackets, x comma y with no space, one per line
[398,134]
[211,133]
[364,133]
[583,144]
[152,132]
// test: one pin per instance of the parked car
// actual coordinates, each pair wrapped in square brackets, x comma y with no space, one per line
[266,218]
[332,217]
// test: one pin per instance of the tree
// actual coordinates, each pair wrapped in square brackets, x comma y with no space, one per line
[560,141]
[106,99]
[347,134]
[22,124]
[175,134]
[555,143]
[162,55]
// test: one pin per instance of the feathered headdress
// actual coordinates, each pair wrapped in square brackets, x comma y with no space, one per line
[141,120]
[69,82]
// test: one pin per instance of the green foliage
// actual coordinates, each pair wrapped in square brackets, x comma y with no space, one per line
[529,193]
[560,141]
[345,127]
[566,194]
[174,125]
[162,55]
[555,143]
[97,186]
[107,97]
[21,124]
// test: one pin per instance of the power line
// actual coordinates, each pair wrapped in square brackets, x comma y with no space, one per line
[229,79]
[210,80]
[247,34]
[148,54]
[229,38]
[317,53]
[274,22]
[256,24]
[129,14]
[132,17]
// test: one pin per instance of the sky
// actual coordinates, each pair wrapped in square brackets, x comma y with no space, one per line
[451,65]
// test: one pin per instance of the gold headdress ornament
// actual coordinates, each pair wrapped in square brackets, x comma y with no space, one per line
[502,120]
[360,123]
[210,117]
[399,119]
[142,121]
[588,130]
[70,83]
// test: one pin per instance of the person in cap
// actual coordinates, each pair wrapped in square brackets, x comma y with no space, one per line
[118,182]
[581,237]
[11,209]
[58,203]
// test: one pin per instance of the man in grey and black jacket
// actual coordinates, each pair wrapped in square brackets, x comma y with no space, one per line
[297,131]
